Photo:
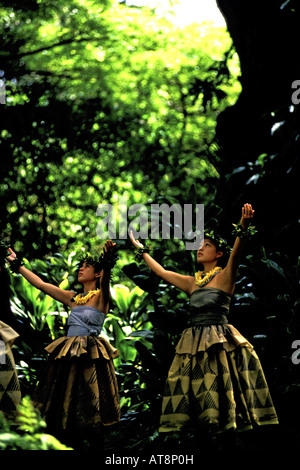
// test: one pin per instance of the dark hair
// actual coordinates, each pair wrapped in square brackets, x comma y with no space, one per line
[220,246]
[97,264]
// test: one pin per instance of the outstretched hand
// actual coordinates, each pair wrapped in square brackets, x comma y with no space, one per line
[247,215]
[135,242]
[108,250]
[12,255]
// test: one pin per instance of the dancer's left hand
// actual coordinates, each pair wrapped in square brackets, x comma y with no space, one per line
[247,215]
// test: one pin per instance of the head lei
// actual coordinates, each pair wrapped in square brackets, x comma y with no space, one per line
[99,262]
[220,242]
[96,261]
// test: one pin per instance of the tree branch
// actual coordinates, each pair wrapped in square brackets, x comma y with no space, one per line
[52,46]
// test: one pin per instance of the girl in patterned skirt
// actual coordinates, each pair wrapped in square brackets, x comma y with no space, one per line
[215,380]
[78,391]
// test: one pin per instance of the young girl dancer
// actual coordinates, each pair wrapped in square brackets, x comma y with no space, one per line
[78,391]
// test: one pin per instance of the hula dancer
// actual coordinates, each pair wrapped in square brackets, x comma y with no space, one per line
[215,381]
[78,391]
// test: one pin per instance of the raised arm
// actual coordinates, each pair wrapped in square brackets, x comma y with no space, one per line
[55,292]
[234,260]
[180,281]
[108,263]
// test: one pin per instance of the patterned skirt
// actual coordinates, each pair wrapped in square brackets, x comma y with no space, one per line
[216,382]
[10,393]
[78,391]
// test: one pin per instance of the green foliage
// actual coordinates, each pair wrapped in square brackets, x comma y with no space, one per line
[125,320]
[114,100]
[26,432]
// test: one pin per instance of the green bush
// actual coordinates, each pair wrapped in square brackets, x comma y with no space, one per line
[26,432]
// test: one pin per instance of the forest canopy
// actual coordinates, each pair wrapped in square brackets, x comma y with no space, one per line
[104,100]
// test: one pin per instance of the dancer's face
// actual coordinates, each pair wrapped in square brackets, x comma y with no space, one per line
[207,252]
[87,273]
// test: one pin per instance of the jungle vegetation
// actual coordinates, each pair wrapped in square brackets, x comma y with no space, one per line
[107,99]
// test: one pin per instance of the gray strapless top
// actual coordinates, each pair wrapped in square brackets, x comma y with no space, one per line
[209,306]
[85,321]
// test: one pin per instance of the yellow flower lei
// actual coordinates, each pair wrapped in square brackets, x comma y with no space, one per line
[83,299]
[202,279]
